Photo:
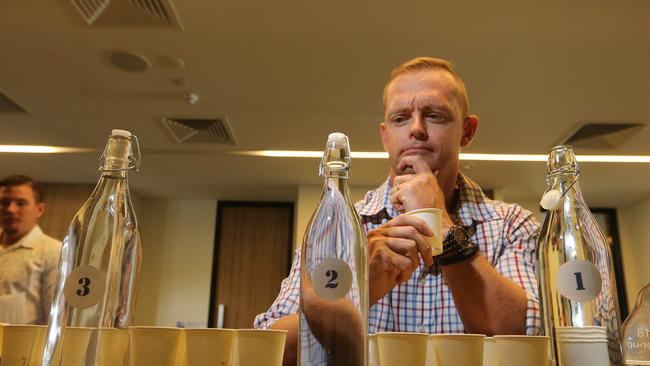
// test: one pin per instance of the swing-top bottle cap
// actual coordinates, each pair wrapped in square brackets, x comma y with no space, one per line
[561,159]
[123,133]
[336,137]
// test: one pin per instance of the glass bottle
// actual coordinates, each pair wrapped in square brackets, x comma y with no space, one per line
[334,271]
[100,255]
[575,270]
[636,331]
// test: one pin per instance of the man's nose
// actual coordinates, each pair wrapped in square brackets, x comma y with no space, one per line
[418,128]
[12,207]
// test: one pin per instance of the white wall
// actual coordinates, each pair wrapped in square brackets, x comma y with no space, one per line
[177,241]
[634,229]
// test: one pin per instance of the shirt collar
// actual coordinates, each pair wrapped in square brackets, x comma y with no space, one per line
[473,205]
[376,201]
[29,240]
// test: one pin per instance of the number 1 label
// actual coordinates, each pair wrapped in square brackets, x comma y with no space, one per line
[579,280]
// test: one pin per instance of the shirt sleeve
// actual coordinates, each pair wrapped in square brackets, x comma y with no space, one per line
[50,272]
[518,259]
[287,302]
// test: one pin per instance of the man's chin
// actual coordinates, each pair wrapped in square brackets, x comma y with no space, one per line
[10,229]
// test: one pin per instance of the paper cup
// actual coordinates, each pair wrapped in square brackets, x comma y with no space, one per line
[373,352]
[75,345]
[260,347]
[112,347]
[158,346]
[23,344]
[433,218]
[523,350]
[490,353]
[582,346]
[209,346]
[1,325]
[396,349]
[458,349]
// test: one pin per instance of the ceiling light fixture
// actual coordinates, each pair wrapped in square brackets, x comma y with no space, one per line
[41,149]
[463,156]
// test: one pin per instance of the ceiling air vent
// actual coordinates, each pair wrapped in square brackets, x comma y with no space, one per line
[602,135]
[9,106]
[128,12]
[200,130]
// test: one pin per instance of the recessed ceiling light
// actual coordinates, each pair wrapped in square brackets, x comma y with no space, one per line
[129,61]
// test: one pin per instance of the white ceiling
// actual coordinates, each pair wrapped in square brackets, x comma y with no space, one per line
[288,72]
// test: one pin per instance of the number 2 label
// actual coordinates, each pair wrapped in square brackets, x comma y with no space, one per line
[332,275]
[332,279]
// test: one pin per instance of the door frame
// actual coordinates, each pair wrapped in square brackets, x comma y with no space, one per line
[617,258]
[217,244]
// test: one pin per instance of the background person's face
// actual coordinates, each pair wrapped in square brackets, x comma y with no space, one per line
[19,211]
[423,118]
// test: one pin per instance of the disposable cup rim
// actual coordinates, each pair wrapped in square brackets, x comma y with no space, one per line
[209,330]
[521,337]
[153,329]
[400,334]
[581,329]
[270,331]
[458,335]
[25,326]
[425,210]
[582,341]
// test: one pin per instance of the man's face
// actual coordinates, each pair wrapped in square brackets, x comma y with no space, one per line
[19,211]
[423,117]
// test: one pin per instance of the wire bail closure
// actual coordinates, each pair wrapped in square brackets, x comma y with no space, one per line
[552,197]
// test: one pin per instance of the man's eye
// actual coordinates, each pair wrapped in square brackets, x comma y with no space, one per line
[399,119]
[436,116]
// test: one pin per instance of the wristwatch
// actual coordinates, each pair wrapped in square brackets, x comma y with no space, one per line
[457,246]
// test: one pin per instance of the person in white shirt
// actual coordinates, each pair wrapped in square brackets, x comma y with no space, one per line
[28,258]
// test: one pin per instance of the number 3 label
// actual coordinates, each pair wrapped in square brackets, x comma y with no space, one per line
[579,280]
[84,287]
[332,279]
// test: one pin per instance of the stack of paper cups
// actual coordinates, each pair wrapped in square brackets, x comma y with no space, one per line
[583,346]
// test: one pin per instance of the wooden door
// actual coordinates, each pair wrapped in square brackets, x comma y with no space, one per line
[253,249]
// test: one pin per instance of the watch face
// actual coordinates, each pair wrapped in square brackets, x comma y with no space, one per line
[460,235]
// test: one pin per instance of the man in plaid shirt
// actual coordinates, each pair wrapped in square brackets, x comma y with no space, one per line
[492,291]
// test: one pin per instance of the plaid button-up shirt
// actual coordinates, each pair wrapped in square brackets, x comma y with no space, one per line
[505,233]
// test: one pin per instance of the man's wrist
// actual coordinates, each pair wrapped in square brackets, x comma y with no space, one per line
[452,258]
[457,246]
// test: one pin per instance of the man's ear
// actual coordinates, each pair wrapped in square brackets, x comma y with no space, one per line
[470,125]
[40,209]
[382,133]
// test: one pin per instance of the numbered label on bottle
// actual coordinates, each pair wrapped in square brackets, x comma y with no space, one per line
[84,287]
[579,280]
[332,279]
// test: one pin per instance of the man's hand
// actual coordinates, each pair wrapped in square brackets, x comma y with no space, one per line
[416,186]
[393,253]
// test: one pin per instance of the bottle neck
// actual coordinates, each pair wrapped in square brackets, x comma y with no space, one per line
[337,179]
[119,174]
[565,182]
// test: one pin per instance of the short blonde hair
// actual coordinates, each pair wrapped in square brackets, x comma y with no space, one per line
[420,64]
